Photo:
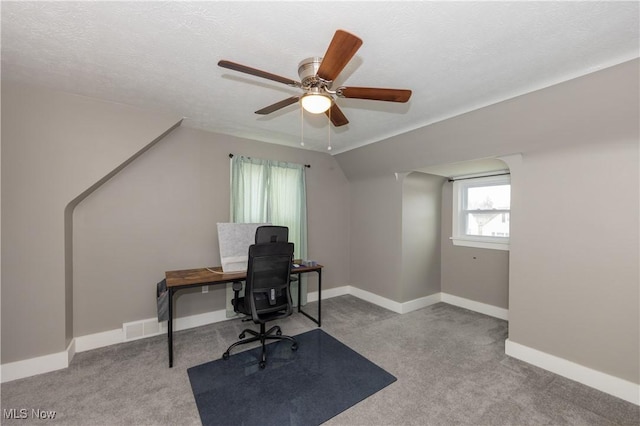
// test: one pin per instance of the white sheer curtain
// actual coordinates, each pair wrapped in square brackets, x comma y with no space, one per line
[249,190]
[274,192]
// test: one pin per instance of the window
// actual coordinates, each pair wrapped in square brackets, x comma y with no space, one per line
[275,192]
[270,191]
[481,212]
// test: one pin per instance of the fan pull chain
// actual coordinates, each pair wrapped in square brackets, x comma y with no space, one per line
[301,126]
[329,130]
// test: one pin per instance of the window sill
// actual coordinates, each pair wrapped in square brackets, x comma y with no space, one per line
[469,242]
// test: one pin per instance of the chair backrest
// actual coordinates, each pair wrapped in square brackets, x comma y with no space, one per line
[272,234]
[268,280]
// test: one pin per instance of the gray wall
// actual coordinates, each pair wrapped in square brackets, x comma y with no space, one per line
[375,246]
[96,205]
[477,274]
[395,235]
[421,206]
[55,146]
[573,272]
[160,213]
[592,109]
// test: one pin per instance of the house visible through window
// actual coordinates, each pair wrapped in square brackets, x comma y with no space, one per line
[481,212]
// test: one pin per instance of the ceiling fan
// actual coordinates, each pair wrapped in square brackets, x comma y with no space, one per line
[317,75]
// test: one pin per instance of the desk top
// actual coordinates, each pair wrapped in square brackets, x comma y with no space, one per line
[215,275]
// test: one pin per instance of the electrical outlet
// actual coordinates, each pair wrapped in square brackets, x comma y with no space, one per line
[205,289]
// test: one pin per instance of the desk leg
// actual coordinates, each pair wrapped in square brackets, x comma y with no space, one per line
[319,297]
[318,320]
[170,328]
[299,294]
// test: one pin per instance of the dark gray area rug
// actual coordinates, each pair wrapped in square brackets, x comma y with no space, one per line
[305,387]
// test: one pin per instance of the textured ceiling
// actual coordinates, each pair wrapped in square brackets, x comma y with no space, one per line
[455,56]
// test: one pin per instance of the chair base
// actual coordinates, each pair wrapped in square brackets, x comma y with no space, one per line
[262,337]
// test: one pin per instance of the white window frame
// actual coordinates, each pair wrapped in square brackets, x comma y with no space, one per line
[458,236]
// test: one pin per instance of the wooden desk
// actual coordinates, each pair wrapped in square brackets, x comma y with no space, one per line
[189,278]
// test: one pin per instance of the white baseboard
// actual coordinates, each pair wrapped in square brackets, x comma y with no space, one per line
[392,305]
[612,385]
[312,296]
[420,303]
[112,337]
[33,366]
[598,380]
[412,305]
[44,364]
[71,351]
[56,361]
[472,305]
[389,304]
[99,340]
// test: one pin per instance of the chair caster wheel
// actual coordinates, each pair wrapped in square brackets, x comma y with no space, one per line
[241,336]
[225,356]
[294,347]
[262,365]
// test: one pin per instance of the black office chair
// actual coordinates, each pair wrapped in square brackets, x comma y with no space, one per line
[267,294]
[272,234]
[264,234]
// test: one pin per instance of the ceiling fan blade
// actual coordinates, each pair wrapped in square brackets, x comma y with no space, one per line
[278,105]
[337,117]
[258,73]
[374,93]
[340,51]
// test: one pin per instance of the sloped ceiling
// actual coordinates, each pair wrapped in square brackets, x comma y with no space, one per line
[455,56]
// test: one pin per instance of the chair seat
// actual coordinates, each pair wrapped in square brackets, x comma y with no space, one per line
[245,309]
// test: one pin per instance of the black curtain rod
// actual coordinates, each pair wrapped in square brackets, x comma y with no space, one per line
[478,177]
[308,166]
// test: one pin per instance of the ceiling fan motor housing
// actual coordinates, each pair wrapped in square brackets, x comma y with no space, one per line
[308,69]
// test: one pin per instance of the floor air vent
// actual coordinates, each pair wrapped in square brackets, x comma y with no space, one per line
[138,329]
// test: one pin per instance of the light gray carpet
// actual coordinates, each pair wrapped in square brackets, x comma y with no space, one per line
[450,365]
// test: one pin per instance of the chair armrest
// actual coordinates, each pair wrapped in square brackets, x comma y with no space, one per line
[237,286]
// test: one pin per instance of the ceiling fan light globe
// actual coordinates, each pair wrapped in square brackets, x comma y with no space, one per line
[315,104]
